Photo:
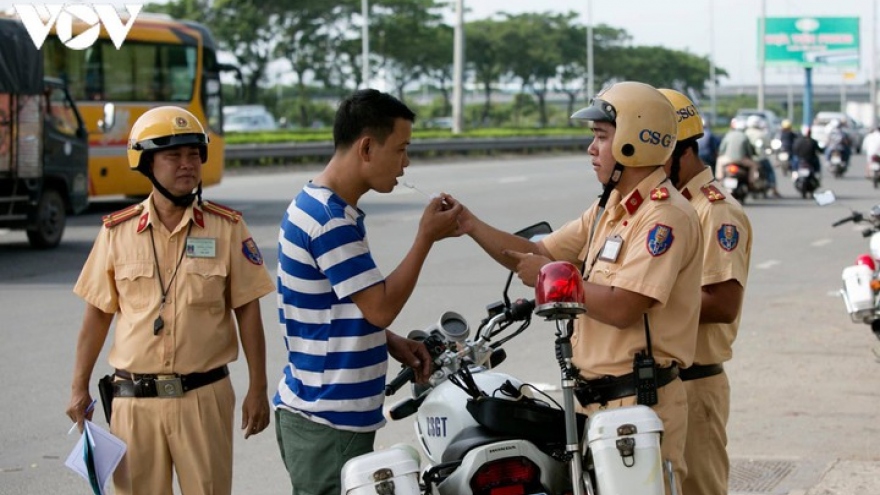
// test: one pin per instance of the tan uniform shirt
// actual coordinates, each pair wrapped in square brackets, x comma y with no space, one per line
[659,257]
[199,331]
[727,242]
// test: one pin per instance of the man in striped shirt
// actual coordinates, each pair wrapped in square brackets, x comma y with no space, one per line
[335,305]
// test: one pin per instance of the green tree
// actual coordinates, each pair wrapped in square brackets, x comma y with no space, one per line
[483,58]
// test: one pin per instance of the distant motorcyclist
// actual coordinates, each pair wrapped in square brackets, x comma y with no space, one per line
[871,149]
[736,148]
[807,151]
[708,144]
[759,136]
[787,136]
[837,140]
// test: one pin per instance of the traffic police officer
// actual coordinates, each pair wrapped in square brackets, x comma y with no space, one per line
[727,243]
[640,258]
[175,271]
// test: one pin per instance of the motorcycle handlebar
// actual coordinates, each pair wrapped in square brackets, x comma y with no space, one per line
[405,376]
[521,309]
[856,217]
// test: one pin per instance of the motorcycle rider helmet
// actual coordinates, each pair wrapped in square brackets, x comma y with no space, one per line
[866,260]
[834,124]
[644,120]
[162,128]
[786,124]
[755,122]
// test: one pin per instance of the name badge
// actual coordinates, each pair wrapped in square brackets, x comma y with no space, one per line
[201,247]
[611,249]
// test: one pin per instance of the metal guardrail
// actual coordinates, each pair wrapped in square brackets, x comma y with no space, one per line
[280,152]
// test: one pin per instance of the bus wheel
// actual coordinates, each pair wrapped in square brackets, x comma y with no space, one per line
[51,217]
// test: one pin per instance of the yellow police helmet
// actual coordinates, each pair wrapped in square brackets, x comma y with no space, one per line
[162,128]
[690,124]
[786,124]
[644,121]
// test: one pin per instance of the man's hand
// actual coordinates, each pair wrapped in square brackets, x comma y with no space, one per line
[76,410]
[254,412]
[528,265]
[440,219]
[410,353]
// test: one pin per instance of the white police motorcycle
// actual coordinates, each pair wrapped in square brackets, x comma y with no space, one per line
[485,433]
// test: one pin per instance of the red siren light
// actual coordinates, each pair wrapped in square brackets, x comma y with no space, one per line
[559,293]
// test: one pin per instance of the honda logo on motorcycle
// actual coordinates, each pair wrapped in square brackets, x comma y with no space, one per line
[655,137]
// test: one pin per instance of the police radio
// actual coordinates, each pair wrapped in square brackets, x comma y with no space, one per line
[645,373]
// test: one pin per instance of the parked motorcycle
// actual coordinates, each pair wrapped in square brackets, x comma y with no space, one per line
[486,433]
[861,281]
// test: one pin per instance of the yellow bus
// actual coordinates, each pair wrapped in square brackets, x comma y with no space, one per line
[162,62]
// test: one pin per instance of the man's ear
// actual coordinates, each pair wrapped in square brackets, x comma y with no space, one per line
[364,148]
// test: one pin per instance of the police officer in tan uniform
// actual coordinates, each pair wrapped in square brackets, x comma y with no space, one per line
[179,274]
[640,246]
[727,242]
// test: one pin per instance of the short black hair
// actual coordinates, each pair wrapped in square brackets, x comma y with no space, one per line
[371,111]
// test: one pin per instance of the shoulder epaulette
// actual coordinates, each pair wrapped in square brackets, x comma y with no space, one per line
[659,194]
[222,211]
[712,193]
[113,219]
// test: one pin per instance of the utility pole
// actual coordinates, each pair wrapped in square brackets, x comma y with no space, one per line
[591,76]
[762,24]
[365,43]
[713,97]
[873,65]
[458,68]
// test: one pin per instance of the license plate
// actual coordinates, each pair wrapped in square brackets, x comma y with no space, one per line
[835,160]
[730,183]
[804,172]
[783,156]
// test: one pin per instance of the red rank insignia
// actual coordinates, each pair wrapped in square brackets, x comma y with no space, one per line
[712,193]
[633,202]
[659,194]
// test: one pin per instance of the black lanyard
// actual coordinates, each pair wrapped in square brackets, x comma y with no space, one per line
[159,324]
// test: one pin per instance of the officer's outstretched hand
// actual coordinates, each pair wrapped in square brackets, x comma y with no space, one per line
[527,266]
[254,412]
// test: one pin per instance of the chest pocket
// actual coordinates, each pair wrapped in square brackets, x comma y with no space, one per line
[205,283]
[137,286]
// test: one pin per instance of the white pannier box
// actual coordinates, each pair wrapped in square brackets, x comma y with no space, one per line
[857,293]
[391,471]
[625,444]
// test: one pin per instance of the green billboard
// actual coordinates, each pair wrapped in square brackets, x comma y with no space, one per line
[811,41]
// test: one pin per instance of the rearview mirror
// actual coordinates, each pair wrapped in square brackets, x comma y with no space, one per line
[535,232]
[109,119]
[825,197]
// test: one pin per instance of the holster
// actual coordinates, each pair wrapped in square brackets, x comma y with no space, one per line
[105,390]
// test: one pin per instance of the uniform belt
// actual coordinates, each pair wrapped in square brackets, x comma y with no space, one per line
[158,385]
[697,371]
[608,388]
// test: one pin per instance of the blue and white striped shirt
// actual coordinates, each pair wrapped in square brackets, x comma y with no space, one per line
[336,359]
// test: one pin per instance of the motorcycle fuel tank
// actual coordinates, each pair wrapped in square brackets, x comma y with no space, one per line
[443,414]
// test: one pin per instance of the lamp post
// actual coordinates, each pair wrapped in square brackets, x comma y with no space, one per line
[365,43]
[458,68]
[591,76]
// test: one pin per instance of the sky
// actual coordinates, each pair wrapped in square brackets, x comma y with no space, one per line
[687,25]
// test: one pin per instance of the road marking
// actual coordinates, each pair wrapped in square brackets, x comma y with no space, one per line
[767,264]
[509,180]
[820,242]
[833,293]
